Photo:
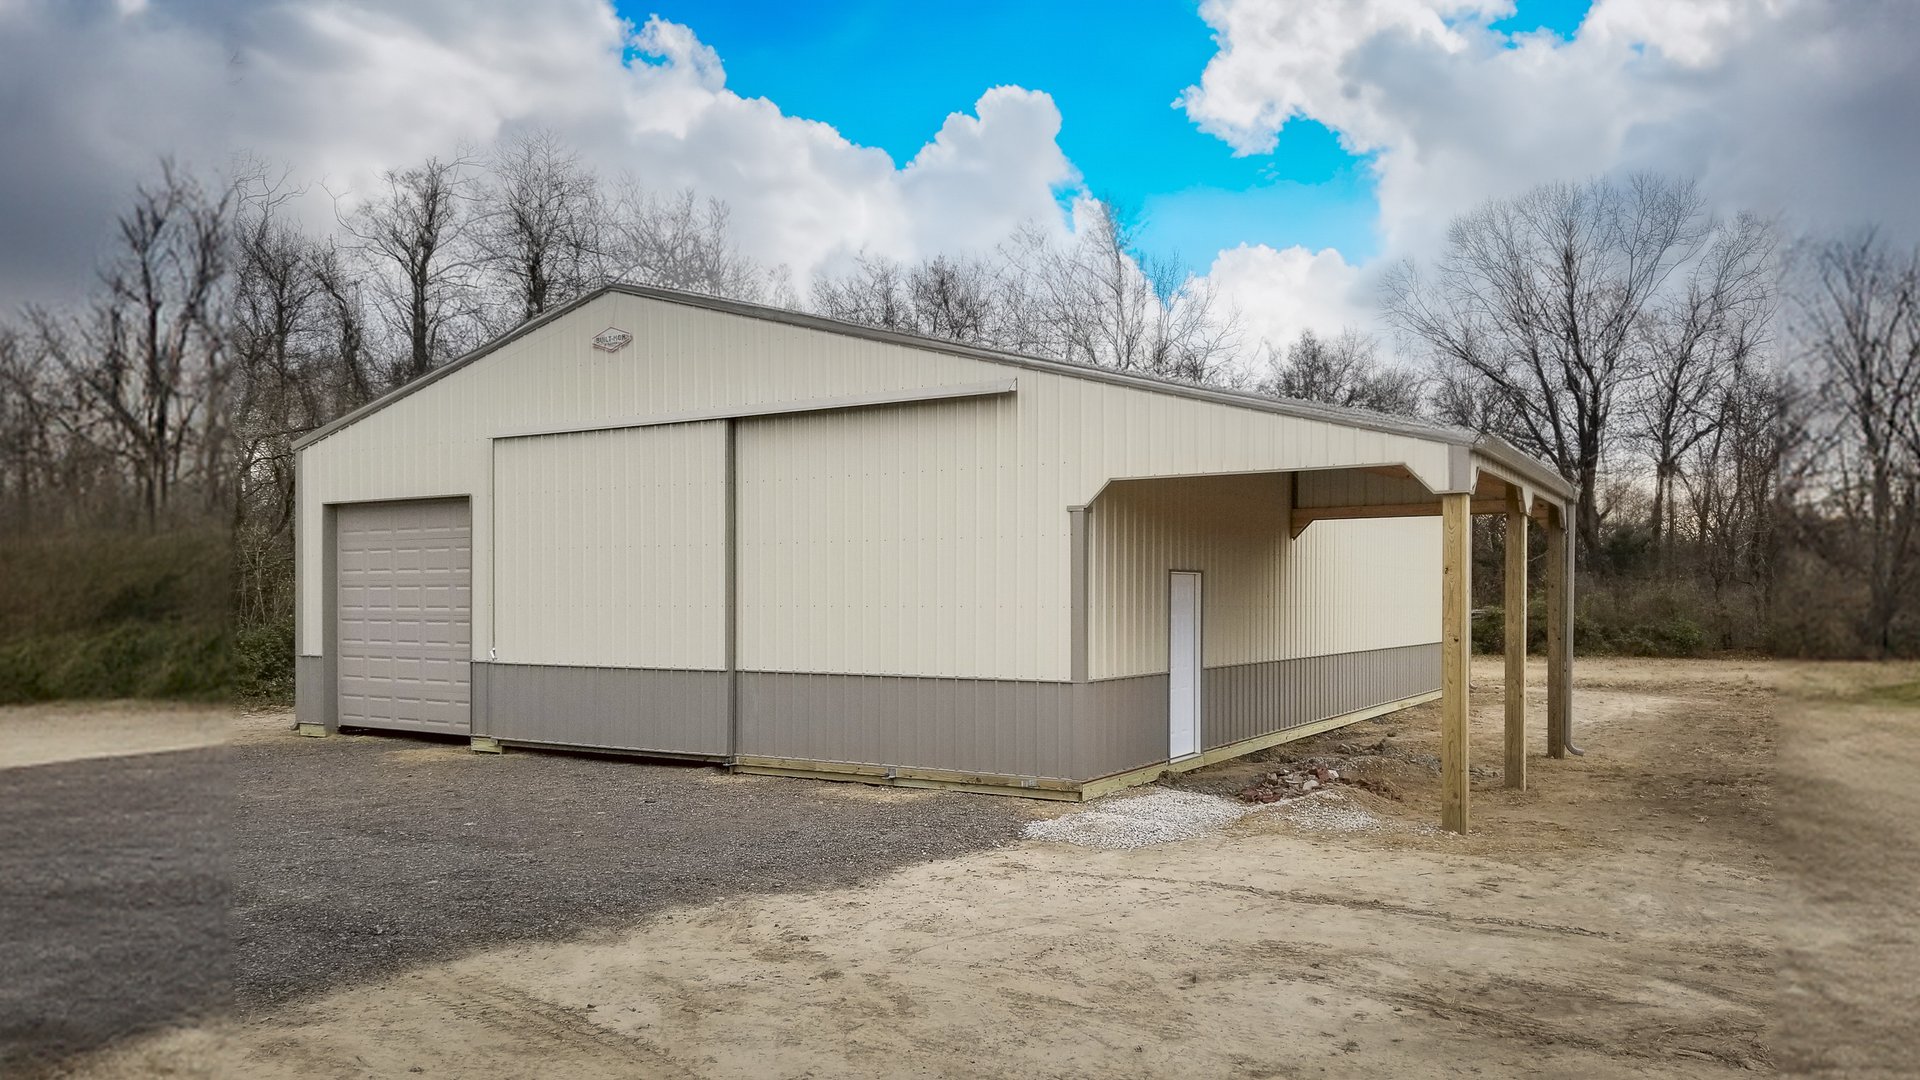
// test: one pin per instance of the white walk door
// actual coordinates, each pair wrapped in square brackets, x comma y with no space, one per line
[1183,666]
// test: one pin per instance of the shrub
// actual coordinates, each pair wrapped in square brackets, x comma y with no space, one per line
[263,659]
[111,615]
[127,659]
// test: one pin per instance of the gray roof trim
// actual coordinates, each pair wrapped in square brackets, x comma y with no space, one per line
[1497,449]
[1525,465]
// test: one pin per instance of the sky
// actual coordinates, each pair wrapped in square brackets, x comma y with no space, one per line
[1286,151]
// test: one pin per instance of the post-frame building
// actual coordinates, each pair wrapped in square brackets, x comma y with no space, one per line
[681,526]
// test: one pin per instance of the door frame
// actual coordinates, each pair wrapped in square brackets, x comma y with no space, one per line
[1199,661]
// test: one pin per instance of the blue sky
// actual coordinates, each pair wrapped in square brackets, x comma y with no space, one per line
[887,74]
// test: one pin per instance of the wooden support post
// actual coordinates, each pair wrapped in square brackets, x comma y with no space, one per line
[1456,601]
[1514,604]
[1559,615]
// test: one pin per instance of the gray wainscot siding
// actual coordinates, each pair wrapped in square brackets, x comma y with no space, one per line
[1052,730]
[1055,730]
[1245,701]
[637,709]
[992,726]
[1119,724]
[312,696]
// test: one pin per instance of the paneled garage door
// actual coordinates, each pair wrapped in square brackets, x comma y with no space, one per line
[405,573]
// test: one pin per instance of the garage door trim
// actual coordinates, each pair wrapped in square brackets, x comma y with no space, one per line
[447,709]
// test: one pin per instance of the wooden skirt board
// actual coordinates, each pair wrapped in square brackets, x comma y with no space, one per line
[404,581]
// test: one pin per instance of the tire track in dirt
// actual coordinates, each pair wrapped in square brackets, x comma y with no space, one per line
[570,1032]
[1298,896]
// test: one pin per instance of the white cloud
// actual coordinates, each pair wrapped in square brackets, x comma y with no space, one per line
[339,91]
[1279,60]
[1280,293]
[1795,107]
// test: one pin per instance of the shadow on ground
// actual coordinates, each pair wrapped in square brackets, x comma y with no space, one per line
[149,890]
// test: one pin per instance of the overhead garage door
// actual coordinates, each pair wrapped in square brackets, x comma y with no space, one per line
[405,572]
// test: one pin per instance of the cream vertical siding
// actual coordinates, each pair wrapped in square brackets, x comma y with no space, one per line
[682,360]
[1346,586]
[898,541]
[927,539]
[610,548]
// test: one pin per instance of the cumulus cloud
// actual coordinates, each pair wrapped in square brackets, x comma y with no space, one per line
[96,91]
[1281,292]
[1796,107]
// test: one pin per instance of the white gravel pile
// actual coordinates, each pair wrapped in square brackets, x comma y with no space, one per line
[1322,814]
[1160,816]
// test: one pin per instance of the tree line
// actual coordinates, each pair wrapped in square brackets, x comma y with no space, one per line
[1740,414]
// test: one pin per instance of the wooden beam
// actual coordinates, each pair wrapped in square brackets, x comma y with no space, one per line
[1307,515]
[1456,603]
[1514,605]
[1559,615]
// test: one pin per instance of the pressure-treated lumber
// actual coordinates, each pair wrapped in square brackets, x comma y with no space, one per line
[1306,515]
[1514,605]
[907,778]
[1559,614]
[1456,587]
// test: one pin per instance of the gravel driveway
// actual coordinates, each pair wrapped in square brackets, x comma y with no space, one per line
[151,889]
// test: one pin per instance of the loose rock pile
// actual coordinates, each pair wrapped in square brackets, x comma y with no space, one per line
[1297,781]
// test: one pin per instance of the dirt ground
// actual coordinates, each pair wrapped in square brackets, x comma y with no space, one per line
[1723,883]
[46,734]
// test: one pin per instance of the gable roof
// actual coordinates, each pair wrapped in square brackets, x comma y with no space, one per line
[1493,447]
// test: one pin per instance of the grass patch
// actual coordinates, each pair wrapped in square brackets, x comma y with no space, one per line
[1906,693]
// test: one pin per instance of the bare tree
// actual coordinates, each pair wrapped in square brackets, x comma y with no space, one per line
[146,364]
[1345,371]
[27,430]
[685,243]
[277,297]
[283,338]
[543,228]
[1195,337]
[345,321]
[1732,482]
[1858,309]
[874,292]
[416,230]
[1094,300]
[953,298]
[1112,309]
[1697,340]
[1540,301]
[942,297]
